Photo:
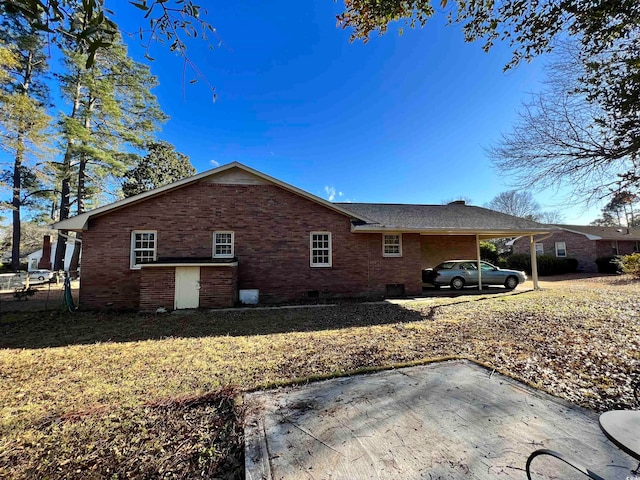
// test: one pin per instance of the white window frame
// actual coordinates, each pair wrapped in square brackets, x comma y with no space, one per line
[132,254]
[564,244]
[385,244]
[539,251]
[312,249]
[215,243]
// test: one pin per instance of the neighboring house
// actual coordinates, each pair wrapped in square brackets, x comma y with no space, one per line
[200,241]
[5,258]
[585,243]
[35,261]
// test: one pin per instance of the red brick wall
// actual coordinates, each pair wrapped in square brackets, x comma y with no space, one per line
[578,247]
[393,270]
[218,287]
[435,249]
[157,288]
[605,247]
[271,228]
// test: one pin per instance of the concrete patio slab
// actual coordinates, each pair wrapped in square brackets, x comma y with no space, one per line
[446,420]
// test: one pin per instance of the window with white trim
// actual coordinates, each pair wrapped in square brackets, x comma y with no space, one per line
[320,249]
[223,244]
[539,249]
[561,249]
[144,245]
[392,245]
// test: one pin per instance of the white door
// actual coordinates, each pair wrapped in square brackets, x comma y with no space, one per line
[187,287]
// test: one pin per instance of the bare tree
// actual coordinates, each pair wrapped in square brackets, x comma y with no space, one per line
[550,217]
[522,204]
[561,140]
[518,204]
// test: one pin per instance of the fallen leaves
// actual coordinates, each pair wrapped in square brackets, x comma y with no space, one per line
[82,394]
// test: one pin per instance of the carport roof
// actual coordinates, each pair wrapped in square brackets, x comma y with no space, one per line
[454,218]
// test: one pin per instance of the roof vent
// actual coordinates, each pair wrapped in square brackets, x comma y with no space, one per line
[458,202]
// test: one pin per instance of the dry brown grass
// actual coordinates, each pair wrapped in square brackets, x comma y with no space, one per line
[83,394]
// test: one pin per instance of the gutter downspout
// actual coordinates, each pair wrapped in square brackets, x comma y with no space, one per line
[534,259]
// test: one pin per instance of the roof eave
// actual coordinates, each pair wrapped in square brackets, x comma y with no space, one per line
[450,231]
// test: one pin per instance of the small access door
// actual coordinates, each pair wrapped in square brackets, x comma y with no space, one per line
[187,287]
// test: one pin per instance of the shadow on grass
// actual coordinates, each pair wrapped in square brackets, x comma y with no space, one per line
[57,329]
[448,292]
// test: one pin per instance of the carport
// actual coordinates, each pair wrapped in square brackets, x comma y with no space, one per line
[449,232]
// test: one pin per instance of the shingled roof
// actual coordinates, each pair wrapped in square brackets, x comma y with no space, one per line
[604,233]
[451,218]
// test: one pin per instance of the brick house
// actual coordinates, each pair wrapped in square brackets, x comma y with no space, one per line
[585,243]
[202,241]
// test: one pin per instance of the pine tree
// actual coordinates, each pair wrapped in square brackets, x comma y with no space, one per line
[23,118]
[112,111]
[160,166]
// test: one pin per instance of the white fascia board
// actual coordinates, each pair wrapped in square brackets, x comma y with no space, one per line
[511,242]
[81,222]
[589,236]
[447,231]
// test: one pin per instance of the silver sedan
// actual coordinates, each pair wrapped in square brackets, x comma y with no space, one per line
[461,273]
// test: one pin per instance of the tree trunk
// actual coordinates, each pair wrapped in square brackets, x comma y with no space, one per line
[65,201]
[75,257]
[81,195]
[15,203]
[65,196]
[16,200]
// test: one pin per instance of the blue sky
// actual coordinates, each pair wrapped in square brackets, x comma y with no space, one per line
[402,119]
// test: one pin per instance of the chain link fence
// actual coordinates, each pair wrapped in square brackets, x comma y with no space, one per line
[38,295]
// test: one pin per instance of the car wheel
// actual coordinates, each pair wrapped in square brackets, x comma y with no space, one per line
[511,282]
[457,283]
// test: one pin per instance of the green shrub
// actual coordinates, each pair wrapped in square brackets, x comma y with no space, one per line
[547,265]
[630,264]
[519,261]
[502,262]
[489,252]
[608,265]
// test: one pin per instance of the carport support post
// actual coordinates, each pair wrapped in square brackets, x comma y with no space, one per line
[479,265]
[534,262]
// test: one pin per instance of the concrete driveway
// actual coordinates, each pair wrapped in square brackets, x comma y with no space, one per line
[445,420]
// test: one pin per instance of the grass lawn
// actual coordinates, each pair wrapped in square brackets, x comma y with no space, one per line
[91,395]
